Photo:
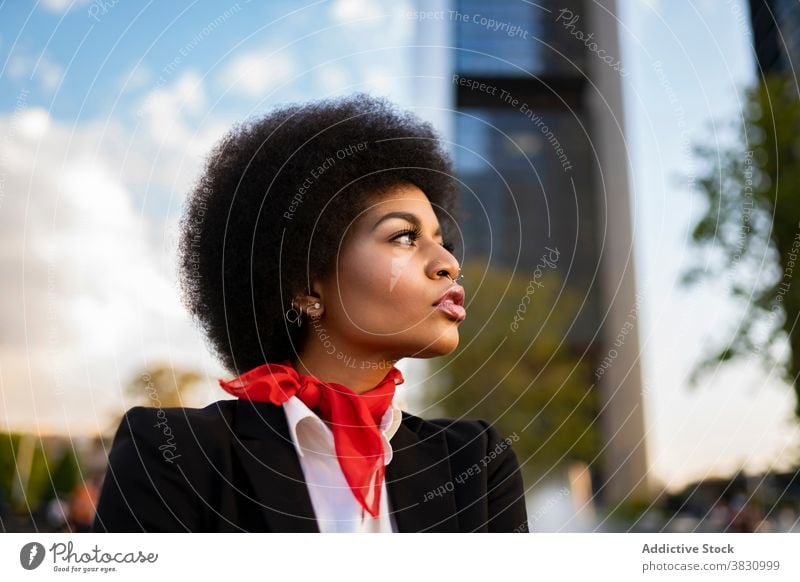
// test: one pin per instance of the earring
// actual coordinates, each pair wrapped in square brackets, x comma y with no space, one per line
[294,316]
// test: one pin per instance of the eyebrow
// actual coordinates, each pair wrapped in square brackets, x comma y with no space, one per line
[410,217]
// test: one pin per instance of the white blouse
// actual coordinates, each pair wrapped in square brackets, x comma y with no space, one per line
[335,506]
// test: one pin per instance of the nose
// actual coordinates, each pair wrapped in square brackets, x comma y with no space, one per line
[444,266]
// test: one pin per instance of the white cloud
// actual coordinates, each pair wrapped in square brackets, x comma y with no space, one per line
[34,123]
[175,134]
[89,294]
[135,79]
[387,21]
[63,5]
[379,81]
[352,11]
[256,74]
[165,109]
[179,133]
[39,68]
[333,78]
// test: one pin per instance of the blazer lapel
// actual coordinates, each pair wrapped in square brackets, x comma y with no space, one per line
[417,479]
[266,451]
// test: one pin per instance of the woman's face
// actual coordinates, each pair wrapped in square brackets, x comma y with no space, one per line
[380,302]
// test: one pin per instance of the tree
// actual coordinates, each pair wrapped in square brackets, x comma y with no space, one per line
[160,386]
[163,385]
[67,472]
[749,234]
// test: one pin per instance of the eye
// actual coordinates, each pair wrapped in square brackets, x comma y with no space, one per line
[415,233]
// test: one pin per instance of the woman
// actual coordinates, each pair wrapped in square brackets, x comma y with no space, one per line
[315,255]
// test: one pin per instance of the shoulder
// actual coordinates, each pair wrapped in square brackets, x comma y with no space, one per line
[145,418]
[485,467]
[173,431]
[465,437]
[463,431]
[214,412]
[160,468]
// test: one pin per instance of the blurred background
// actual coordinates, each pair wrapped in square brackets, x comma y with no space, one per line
[631,175]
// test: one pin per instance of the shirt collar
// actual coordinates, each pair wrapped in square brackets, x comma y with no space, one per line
[314,428]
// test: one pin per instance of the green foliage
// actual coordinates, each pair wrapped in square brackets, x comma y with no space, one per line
[628,511]
[9,443]
[39,486]
[526,382]
[162,385]
[45,473]
[66,473]
[749,233]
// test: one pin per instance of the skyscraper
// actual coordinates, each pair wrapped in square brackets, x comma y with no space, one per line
[535,90]
[776,34]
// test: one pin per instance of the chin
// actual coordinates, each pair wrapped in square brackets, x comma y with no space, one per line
[439,346]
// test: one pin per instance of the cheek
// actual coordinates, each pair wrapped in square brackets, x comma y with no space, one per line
[377,288]
[363,284]
[400,274]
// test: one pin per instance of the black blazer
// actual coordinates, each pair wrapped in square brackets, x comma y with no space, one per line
[232,466]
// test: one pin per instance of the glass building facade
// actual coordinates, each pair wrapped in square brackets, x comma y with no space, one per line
[524,144]
[776,34]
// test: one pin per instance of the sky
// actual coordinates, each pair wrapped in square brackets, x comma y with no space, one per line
[107,109]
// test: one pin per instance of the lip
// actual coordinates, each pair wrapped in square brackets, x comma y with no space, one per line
[452,302]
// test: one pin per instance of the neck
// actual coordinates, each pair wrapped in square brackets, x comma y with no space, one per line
[360,375]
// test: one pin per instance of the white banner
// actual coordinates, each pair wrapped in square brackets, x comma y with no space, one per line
[389,557]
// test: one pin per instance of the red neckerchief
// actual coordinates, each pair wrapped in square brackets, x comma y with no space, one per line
[354,418]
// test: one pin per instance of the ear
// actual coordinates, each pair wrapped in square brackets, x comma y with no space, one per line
[311,302]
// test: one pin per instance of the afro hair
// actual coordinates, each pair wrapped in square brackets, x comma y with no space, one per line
[274,201]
